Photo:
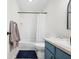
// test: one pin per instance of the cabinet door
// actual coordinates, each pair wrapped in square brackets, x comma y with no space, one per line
[48,54]
[50,47]
[62,55]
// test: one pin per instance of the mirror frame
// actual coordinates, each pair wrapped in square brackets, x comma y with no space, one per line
[68,12]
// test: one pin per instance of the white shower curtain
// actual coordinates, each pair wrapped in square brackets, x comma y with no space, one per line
[41,19]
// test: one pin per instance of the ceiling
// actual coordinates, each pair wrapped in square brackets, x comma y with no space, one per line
[32,5]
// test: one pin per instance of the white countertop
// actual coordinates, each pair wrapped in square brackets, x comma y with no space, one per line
[62,44]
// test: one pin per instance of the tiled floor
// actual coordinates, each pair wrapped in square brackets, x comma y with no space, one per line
[40,54]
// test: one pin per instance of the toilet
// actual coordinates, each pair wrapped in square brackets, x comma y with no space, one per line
[40,46]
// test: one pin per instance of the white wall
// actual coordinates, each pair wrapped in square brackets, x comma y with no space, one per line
[12,15]
[57,17]
[12,12]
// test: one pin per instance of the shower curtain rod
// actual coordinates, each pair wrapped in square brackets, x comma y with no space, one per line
[32,12]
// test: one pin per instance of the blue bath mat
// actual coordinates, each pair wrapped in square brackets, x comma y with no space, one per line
[26,54]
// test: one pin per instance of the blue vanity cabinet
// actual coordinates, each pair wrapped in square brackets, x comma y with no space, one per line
[52,52]
[61,54]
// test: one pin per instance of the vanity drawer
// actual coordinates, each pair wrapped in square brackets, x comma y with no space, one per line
[50,47]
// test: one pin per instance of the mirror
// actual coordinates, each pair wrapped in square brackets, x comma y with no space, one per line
[69,15]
